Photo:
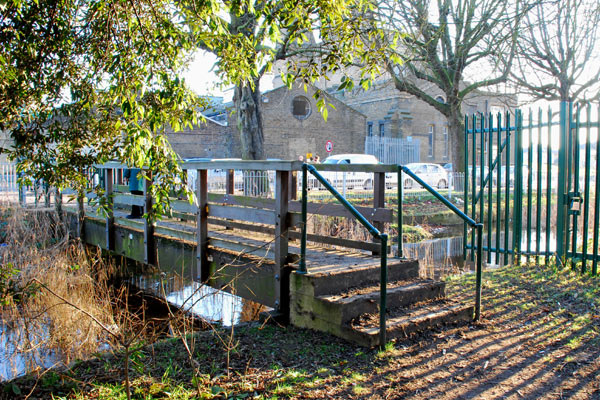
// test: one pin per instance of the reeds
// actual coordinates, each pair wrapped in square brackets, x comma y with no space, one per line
[48,266]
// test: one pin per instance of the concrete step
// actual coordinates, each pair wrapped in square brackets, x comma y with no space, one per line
[339,280]
[401,322]
[359,301]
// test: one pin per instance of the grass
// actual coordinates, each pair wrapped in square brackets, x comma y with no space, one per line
[555,337]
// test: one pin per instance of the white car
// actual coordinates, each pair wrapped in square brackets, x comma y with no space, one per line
[432,174]
[351,180]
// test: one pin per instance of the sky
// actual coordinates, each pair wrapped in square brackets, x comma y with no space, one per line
[201,78]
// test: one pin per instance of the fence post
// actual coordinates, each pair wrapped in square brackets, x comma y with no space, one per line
[149,248]
[58,203]
[561,191]
[294,185]
[400,213]
[229,183]
[518,193]
[202,267]
[302,266]
[81,217]
[378,199]
[282,285]
[110,217]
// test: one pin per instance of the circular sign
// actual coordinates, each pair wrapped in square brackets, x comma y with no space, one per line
[328,146]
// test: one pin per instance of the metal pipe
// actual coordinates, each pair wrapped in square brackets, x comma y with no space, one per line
[586,196]
[596,204]
[549,183]
[498,187]
[529,183]
[302,266]
[490,192]
[383,291]
[479,271]
[466,186]
[400,212]
[538,213]
[507,188]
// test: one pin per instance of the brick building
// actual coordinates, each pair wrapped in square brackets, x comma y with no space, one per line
[210,138]
[391,113]
[292,126]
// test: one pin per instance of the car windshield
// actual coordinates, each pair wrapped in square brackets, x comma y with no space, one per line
[330,161]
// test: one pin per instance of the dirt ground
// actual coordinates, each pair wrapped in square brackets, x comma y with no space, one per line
[539,339]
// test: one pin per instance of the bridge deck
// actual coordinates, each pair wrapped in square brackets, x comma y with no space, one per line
[320,258]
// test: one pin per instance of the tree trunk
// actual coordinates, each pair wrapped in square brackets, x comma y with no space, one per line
[246,102]
[456,130]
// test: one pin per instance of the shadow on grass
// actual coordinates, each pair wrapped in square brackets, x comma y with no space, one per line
[538,339]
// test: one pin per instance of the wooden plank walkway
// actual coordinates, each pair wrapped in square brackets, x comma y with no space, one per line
[320,259]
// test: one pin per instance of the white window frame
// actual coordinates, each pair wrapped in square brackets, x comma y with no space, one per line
[446,142]
[431,140]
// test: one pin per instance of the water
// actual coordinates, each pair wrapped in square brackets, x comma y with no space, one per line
[445,255]
[15,360]
[212,305]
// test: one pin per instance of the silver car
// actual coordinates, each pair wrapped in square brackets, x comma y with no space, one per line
[432,174]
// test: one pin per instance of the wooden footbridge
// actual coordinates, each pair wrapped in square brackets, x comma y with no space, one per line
[254,245]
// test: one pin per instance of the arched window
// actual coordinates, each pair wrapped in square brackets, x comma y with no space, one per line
[300,107]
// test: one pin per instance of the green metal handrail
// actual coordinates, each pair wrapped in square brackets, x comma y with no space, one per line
[471,222]
[383,237]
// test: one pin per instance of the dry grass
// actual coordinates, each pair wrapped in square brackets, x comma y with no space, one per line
[38,246]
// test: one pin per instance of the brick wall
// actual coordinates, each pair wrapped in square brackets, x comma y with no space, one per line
[287,137]
[207,139]
[404,115]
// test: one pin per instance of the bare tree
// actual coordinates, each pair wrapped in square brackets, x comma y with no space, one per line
[453,46]
[558,53]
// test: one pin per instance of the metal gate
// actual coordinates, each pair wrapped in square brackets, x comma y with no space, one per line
[531,179]
[393,150]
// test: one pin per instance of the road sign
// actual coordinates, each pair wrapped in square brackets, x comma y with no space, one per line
[328,146]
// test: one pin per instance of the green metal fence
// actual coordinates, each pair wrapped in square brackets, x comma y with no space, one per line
[532,179]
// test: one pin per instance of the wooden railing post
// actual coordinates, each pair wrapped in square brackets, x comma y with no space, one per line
[110,217]
[36,193]
[294,185]
[46,195]
[229,182]
[202,266]
[81,217]
[149,247]
[378,198]
[58,200]
[282,282]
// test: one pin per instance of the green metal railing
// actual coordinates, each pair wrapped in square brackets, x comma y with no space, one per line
[468,221]
[533,181]
[383,237]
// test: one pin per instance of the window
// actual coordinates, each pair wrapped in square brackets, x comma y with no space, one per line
[440,99]
[430,137]
[446,144]
[300,107]
[370,129]
[381,129]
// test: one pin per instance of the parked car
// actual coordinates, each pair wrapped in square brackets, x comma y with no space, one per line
[351,180]
[432,174]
